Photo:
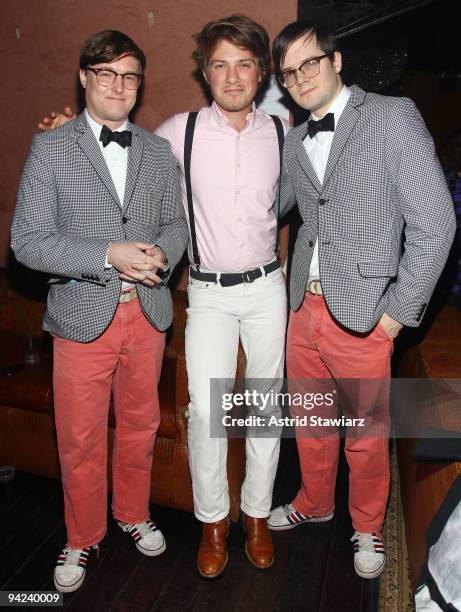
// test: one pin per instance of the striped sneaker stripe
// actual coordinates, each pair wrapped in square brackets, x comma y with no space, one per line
[296,517]
[82,559]
[135,534]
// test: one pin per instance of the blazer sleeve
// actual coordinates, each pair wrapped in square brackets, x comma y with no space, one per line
[174,233]
[35,236]
[287,195]
[427,210]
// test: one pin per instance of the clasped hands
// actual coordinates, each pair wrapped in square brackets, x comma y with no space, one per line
[137,261]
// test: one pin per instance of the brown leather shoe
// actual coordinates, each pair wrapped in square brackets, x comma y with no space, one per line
[212,554]
[259,548]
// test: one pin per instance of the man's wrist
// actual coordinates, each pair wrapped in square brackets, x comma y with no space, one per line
[164,259]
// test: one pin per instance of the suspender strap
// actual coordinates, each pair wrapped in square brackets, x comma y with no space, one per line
[188,140]
[189,137]
[280,137]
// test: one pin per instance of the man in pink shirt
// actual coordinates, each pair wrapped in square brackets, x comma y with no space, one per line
[236,288]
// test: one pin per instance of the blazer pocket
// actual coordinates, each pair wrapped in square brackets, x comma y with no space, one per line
[378,268]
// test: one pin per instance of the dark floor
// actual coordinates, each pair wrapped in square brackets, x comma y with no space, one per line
[313,570]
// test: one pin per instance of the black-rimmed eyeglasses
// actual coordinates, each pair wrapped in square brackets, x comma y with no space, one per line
[309,68]
[107,77]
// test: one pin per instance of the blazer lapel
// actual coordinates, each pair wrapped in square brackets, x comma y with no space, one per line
[343,130]
[135,153]
[87,142]
[306,164]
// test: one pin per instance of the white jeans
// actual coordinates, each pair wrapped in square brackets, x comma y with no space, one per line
[216,318]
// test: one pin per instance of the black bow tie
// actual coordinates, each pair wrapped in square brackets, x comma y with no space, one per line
[121,138]
[327,124]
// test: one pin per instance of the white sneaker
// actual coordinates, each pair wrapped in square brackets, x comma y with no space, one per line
[369,554]
[286,517]
[148,537]
[70,569]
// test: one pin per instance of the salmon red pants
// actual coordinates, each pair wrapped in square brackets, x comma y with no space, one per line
[126,359]
[318,347]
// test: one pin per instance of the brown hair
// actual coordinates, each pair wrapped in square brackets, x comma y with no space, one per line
[107,46]
[239,30]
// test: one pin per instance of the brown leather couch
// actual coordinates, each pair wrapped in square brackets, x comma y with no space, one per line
[424,485]
[27,433]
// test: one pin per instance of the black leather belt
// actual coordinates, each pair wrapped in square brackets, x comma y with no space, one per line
[229,280]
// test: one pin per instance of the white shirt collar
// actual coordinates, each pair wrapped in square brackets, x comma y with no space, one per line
[338,104]
[97,127]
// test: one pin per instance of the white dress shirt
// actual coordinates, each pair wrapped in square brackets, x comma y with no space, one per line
[318,150]
[116,158]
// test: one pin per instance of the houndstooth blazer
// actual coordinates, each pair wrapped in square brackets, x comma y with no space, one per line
[68,211]
[383,215]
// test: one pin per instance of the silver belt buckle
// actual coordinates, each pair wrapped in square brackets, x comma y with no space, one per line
[127,296]
[315,288]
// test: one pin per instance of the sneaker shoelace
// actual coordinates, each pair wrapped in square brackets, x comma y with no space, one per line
[367,542]
[75,556]
[140,530]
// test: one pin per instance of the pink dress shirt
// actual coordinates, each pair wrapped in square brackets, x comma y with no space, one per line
[234,182]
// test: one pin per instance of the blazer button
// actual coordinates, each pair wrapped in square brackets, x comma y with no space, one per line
[311,243]
[124,220]
[322,202]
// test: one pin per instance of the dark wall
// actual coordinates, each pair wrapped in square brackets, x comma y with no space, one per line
[40,42]
[439,105]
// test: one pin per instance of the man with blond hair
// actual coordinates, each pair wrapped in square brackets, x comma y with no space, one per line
[229,164]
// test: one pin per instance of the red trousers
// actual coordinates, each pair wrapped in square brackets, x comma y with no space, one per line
[127,359]
[318,347]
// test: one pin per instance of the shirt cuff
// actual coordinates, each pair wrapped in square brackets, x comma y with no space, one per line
[107,265]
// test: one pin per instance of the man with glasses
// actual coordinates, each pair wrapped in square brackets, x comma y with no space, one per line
[236,289]
[377,227]
[99,208]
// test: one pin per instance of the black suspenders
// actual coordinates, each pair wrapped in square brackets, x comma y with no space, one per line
[189,137]
[280,137]
[188,140]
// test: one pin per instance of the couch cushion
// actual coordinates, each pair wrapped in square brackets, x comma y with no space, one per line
[29,385]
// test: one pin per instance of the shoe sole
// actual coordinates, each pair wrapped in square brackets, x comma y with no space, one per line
[320,519]
[152,553]
[370,575]
[261,567]
[70,588]
[211,576]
